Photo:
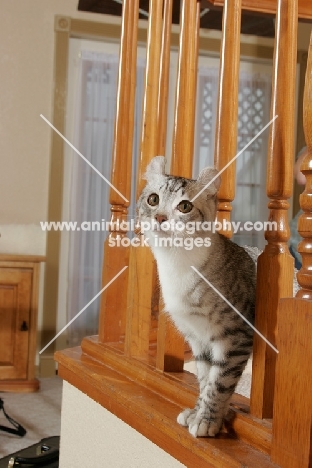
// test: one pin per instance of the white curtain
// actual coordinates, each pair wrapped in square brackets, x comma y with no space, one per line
[206,115]
[89,199]
[250,204]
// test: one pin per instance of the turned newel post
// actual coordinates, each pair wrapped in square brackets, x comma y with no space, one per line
[304,276]
[292,417]
[275,264]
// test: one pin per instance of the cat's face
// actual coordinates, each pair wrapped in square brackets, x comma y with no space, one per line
[171,201]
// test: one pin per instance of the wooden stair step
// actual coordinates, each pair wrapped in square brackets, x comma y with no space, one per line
[154,415]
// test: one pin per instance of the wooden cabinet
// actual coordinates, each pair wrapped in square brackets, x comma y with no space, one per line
[19,285]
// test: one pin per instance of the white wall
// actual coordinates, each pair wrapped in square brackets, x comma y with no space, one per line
[26,70]
[92,436]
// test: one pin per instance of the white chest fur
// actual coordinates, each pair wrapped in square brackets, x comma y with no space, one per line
[176,279]
[176,275]
[174,282]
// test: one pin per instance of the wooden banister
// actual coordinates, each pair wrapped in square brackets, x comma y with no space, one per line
[292,430]
[149,137]
[226,124]
[164,78]
[170,344]
[183,138]
[112,321]
[275,264]
[142,289]
[292,423]
[170,348]
[292,415]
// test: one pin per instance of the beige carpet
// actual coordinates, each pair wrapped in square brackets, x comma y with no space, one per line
[39,413]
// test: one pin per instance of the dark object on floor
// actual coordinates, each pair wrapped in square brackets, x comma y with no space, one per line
[43,454]
[19,430]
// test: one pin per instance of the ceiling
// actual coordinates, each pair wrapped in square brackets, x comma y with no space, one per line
[252,23]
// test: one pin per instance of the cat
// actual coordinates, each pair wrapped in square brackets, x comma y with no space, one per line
[221,341]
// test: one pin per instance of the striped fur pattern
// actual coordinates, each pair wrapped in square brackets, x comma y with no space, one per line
[220,339]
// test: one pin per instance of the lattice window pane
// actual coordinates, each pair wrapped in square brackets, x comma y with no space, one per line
[253,115]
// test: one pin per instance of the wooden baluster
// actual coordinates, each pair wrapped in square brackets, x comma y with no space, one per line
[170,344]
[162,133]
[142,290]
[113,300]
[184,127]
[226,125]
[164,78]
[275,264]
[292,419]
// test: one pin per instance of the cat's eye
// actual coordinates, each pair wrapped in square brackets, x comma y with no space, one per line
[153,199]
[185,206]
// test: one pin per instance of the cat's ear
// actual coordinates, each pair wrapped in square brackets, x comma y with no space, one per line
[210,177]
[155,167]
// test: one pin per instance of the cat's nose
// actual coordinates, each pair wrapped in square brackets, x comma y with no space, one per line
[161,218]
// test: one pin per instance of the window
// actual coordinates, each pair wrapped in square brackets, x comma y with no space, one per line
[253,115]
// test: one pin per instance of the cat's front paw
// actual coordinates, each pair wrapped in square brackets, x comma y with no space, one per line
[186,416]
[201,427]
[198,424]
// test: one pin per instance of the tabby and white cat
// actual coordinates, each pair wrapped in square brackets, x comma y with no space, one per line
[220,339]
